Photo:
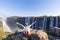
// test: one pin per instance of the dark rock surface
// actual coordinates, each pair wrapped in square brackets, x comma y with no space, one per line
[35,35]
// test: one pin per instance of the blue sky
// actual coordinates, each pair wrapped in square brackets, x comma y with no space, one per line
[29,7]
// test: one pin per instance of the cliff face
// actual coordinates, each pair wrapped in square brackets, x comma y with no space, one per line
[45,22]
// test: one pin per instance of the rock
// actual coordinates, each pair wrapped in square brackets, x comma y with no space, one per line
[51,37]
[34,37]
[43,35]
[20,36]
[17,36]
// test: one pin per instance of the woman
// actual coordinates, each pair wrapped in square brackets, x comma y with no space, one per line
[26,29]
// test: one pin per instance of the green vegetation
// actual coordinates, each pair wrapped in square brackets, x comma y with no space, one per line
[3,34]
[1,38]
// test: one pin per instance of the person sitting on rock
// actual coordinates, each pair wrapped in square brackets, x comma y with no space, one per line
[26,29]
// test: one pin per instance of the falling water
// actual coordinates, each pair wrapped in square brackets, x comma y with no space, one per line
[32,21]
[36,24]
[44,23]
[56,21]
[51,22]
[29,20]
[26,20]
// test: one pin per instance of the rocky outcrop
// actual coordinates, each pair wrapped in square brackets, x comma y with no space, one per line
[35,35]
[43,35]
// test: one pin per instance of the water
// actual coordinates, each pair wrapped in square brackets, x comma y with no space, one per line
[56,21]
[51,22]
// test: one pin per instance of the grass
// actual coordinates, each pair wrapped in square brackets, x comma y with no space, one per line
[3,34]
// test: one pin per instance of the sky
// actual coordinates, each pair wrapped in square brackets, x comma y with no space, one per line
[29,8]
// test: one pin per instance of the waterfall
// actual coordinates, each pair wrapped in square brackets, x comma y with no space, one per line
[51,22]
[44,23]
[36,24]
[29,20]
[26,20]
[33,21]
[56,21]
